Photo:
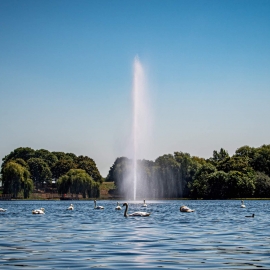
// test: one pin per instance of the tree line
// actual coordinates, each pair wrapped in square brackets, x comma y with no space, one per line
[244,174]
[26,169]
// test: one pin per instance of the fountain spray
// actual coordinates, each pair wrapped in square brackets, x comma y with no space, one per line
[138,114]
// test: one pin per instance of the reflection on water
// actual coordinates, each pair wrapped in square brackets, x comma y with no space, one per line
[216,235]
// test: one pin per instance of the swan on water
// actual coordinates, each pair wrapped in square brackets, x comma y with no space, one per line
[97,207]
[39,211]
[184,208]
[135,214]
[118,207]
[242,204]
[144,204]
[3,210]
[70,207]
[253,215]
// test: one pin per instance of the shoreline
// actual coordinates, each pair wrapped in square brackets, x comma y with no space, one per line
[139,199]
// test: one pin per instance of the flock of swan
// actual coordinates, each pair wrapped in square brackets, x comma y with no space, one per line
[183,208]
[118,207]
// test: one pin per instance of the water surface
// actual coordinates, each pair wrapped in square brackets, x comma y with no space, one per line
[216,236]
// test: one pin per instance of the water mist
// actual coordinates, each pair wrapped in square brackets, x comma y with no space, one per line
[140,121]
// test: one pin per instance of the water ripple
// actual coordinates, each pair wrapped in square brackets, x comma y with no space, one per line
[216,235]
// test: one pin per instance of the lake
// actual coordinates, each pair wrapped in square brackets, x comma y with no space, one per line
[216,236]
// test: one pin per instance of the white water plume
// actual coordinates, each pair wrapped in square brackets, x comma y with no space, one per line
[140,120]
[132,182]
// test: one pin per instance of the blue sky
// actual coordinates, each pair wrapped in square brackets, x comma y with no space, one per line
[66,75]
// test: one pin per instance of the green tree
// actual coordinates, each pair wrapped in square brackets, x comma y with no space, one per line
[241,184]
[217,185]
[21,162]
[218,156]
[262,183]
[46,156]
[118,173]
[245,151]
[61,155]
[89,165]
[200,187]
[77,181]
[72,156]
[227,182]
[188,168]
[16,178]
[235,163]
[27,185]
[22,152]
[168,177]
[40,172]
[261,159]
[62,166]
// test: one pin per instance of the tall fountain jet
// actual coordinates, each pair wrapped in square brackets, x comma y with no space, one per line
[139,117]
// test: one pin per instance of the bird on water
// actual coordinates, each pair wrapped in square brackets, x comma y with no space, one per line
[135,214]
[97,207]
[184,208]
[118,207]
[253,215]
[38,211]
[70,207]
[144,204]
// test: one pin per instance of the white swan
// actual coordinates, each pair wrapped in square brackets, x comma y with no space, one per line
[39,211]
[3,210]
[135,214]
[144,204]
[186,209]
[97,207]
[242,204]
[70,207]
[118,207]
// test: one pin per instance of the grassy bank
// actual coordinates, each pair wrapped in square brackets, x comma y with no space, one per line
[104,193]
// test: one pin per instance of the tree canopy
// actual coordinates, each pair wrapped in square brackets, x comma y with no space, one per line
[25,168]
[244,174]
[78,181]
[16,179]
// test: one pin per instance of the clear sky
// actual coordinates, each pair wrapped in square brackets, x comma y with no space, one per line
[66,75]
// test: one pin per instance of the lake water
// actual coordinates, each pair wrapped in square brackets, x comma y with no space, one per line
[216,236]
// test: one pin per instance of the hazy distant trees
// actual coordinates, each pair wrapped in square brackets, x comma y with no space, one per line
[169,176]
[119,172]
[25,168]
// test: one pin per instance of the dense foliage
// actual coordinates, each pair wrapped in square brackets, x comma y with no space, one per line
[16,179]
[25,168]
[78,181]
[245,174]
